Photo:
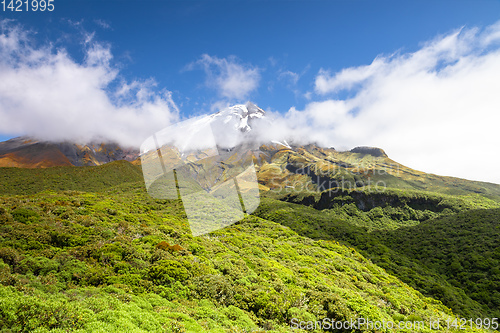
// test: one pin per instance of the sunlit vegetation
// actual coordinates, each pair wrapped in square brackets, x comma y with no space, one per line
[447,247]
[113,259]
[89,179]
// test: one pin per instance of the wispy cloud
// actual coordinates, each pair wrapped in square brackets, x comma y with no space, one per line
[436,109]
[231,79]
[103,24]
[290,80]
[434,55]
[47,94]
[289,76]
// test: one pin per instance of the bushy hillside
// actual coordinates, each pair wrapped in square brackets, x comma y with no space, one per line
[384,209]
[463,247]
[121,261]
[443,246]
[91,179]
[86,249]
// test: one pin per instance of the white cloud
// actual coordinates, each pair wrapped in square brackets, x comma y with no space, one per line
[46,94]
[103,24]
[436,109]
[346,79]
[231,79]
[291,79]
[290,76]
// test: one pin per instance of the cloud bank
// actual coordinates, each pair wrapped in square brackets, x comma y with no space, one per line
[436,109]
[46,94]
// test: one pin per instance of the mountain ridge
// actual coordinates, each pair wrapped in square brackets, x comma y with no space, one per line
[234,134]
[279,167]
[27,152]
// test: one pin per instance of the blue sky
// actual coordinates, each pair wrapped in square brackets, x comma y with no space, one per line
[158,39]
[150,63]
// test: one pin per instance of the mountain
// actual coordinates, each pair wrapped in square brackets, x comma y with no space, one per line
[222,143]
[314,169]
[241,116]
[235,137]
[25,152]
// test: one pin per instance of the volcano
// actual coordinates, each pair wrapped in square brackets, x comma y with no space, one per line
[280,165]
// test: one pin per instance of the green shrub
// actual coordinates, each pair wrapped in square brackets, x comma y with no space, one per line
[215,287]
[9,256]
[4,217]
[168,271]
[38,266]
[25,215]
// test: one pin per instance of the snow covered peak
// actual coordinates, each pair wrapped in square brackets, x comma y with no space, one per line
[241,115]
[226,129]
[236,124]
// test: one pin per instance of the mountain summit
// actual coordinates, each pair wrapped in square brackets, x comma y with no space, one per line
[230,127]
[238,124]
[241,115]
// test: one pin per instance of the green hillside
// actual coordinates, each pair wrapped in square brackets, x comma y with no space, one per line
[88,250]
[104,262]
[320,169]
[463,247]
[87,178]
[444,246]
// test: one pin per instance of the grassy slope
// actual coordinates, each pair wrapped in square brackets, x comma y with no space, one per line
[398,176]
[94,262]
[327,167]
[91,179]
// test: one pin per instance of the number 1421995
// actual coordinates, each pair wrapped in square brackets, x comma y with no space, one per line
[27,5]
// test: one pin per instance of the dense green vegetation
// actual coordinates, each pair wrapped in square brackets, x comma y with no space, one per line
[464,248]
[105,262]
[386,209]
[88,250]
[443,246]
[87,178]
